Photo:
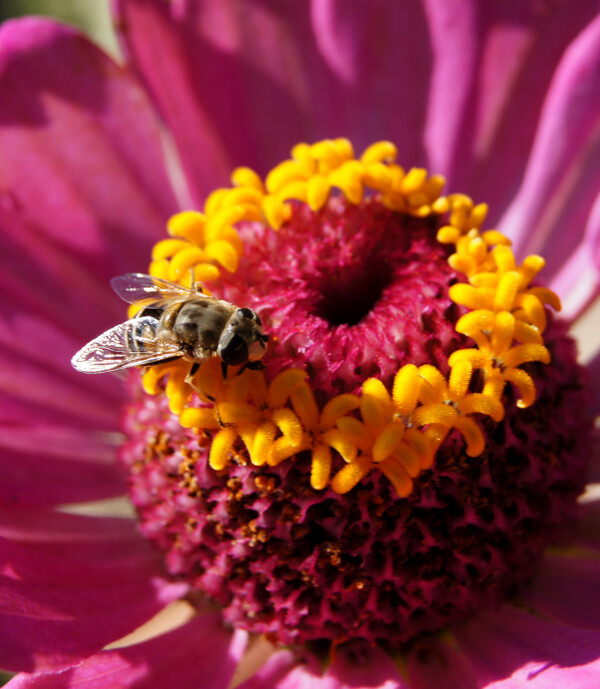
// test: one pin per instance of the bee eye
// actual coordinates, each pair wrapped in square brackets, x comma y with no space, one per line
[247,313]
[233,349]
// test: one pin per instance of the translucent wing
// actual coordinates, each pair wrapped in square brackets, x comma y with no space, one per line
[132,343]
[145,290]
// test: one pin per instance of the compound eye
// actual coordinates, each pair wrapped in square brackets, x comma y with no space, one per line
[247,313]
[233,349]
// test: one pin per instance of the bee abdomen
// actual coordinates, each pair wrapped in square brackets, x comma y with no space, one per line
[141,335]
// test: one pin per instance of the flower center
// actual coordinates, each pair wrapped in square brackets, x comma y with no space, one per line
[349,295]
[406,454]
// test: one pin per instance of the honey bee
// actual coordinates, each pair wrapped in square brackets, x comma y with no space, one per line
[175,322]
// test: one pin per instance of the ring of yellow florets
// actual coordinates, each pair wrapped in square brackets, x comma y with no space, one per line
[397,431]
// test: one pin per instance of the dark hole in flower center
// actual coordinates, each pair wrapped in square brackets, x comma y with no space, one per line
[350,293]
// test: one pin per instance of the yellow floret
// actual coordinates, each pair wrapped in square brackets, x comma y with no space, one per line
[396,431]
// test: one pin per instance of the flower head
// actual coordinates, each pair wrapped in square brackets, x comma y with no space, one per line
[300,496]
[384,490]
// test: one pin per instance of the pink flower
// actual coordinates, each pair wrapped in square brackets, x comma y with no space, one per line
[502,101]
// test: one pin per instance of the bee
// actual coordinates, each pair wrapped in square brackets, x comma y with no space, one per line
[175,322]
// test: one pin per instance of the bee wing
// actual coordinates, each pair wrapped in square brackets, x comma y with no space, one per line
[145,290]
[132,343]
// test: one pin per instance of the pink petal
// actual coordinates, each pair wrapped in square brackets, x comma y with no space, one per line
[511,649]
[54,610]
[550,212]
[82,158]
[73,536]
[588,528]
[83,194]
[46,455]
[352,666]
[209,81]
[578,280]
[435,663]
[593,376]
[307,675]
[241,82]
[278,666]
[378,73]
[453,80]
[40,332]
[366,666]
[198,654]
[594,467]
[493,63]
[567,589]
[39,478]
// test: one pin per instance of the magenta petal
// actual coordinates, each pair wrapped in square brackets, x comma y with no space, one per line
[567,589]
[84,193]
[352,667]
[594,467]
[588,528]
[552,208]
[43,286]
[226,102]
[73,536]
[52,464]
[493,63]
[272,671]
[200,654]
[365,667]
[510,649]
[578,279]
[57,482]
[434,663]
[54,610]
[593,373]
[452,24]
[242,82]
[377,75]
[82,157]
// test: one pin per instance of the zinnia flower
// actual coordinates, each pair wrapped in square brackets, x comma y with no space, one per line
[392,501]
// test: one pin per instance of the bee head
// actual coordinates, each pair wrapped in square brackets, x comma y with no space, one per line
[243,339]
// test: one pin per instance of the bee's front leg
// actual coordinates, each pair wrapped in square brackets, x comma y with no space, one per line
[189,379]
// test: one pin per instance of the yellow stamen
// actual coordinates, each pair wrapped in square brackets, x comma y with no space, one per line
[406,389]
[188,225]
[398,476]
[199,417]
[321,467]
[220,449]
[289,424]
[247,178]
[263,440]
[395,431]
[388,441]
[305,405]
[347,477]
[337,407]
[283,385]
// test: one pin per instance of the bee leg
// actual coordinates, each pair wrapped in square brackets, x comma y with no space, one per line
[189,379]
[224,370]
[193,370]
[193,283]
